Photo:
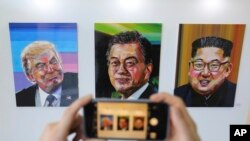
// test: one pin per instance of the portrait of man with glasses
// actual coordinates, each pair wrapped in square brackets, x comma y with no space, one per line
[209,68]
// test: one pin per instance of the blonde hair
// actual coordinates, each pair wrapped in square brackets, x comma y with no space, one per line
[32,50]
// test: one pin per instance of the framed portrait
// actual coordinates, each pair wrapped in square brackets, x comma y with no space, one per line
[106,122]
[45,61]
[122,70]
[208,64]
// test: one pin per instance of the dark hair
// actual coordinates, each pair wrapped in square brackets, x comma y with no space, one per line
[212,41]
[131,37]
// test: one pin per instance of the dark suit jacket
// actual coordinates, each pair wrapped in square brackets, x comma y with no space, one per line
[106,128]
[223,97]
[147,93]
[26,97]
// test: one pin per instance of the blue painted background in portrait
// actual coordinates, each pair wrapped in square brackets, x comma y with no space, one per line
[63,35]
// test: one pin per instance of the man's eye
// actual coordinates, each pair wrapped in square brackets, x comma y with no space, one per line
[130,63]
[114,63]
[214,65]
[198,65]
[40,66]
[54,61]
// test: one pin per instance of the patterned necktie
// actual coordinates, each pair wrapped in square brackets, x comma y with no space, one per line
[50,98]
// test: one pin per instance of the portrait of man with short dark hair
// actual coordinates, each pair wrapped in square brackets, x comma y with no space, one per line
[138,123]
[123,123]
[210,66]
[130,69]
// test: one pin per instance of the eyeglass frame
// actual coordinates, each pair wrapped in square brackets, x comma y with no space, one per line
[208,64]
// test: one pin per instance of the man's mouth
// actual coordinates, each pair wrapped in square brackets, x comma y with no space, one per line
[204,83]
[52,79]
[122,80]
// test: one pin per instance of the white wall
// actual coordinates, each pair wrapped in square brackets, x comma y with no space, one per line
[26,124]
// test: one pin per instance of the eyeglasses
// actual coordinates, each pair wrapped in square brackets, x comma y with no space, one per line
[213,66]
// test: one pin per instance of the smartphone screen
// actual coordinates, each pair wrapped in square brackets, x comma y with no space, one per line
[119,119]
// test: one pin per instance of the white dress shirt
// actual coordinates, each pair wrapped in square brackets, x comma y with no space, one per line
[138,93]
[42,95]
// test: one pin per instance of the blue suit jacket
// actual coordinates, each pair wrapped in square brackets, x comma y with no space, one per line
[26,97]
[223,97]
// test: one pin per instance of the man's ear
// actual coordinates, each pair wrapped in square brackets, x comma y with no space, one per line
[228,70]
[189,64]
[149,69]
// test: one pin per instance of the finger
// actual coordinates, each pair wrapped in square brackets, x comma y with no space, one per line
[49,132]
[172,101]
[77,128]
[76,125]
[178,114]
[70,115]
[77,105]
[175,103]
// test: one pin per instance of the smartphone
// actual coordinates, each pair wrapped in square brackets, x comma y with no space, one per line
[126,119]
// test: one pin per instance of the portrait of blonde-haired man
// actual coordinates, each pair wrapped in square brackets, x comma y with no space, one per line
[44,72]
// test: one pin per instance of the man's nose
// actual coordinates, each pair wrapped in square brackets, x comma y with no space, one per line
[206,71]
[49,68]
[122,68]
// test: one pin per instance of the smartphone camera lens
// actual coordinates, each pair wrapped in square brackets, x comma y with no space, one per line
[153,135]
[153,121]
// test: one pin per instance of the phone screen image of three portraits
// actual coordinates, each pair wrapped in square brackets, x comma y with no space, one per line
[129,120]
[127,58]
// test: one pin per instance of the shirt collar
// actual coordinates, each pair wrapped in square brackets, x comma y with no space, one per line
[138,93]
[43,95]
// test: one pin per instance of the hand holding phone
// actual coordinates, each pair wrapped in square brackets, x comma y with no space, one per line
[124,119]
